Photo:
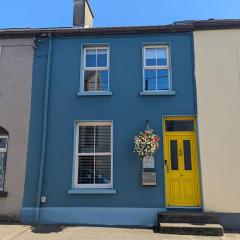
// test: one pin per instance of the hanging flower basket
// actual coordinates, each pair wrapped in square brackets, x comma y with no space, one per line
[146,144]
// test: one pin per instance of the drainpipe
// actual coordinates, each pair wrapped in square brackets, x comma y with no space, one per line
[44,133]
[194,75]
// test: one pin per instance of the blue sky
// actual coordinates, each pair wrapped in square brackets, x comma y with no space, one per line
[58,13]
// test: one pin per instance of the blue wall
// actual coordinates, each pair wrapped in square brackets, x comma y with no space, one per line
[126,108]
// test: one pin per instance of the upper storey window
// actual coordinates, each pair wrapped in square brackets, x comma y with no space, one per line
[96,69]
[156,68]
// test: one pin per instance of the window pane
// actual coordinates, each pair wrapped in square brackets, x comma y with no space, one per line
[103,169]
[103,139]
[2,169]
[174,154]
[187,154]
[150,79]
[85,169]
[94,168]
[3,143]
[179,125]
[102,58]
[90,80]
[86,139]
[150,57]
[102,80]
[91,58]
[162,79]
[161,56]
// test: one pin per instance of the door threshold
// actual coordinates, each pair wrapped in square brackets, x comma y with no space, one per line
[188,209]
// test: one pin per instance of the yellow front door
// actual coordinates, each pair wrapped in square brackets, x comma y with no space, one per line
[181,162]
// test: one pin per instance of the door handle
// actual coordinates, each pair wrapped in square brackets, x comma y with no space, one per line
[180,152]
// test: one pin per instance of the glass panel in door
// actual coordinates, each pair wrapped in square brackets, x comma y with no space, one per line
[174,154]
[187,154]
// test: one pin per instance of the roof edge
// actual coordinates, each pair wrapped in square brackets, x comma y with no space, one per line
[184,26]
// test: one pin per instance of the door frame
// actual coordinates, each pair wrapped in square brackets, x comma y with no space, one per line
[182,117]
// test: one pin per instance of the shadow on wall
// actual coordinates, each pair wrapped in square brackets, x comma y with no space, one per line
[9,218]
[45,229]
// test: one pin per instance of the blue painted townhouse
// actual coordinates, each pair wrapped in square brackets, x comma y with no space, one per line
[93,91]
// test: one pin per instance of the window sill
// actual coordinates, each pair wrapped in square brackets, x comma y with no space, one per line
[83,94]
[157,93]
[91,191]
[3,194]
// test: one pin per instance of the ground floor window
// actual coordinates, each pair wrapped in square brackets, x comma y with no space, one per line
[3,156]
[94,155]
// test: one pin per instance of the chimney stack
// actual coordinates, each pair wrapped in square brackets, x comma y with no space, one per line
[83,15]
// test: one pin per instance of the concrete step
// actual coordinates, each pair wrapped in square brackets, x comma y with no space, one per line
[188,217]
[191,229]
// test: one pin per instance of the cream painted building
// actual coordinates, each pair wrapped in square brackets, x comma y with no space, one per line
[16,60]
[217,72]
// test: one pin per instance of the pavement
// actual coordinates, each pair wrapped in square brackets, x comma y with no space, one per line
[25,232]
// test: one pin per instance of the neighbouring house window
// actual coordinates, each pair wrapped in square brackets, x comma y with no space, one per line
[96,69]
[156,68]
[3,156]
[94,155]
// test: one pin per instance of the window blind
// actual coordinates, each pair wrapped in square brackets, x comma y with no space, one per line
[94,154]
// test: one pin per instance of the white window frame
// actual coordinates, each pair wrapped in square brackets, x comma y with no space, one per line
[107,68]
[77,154]
[4,150]
[167,67]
